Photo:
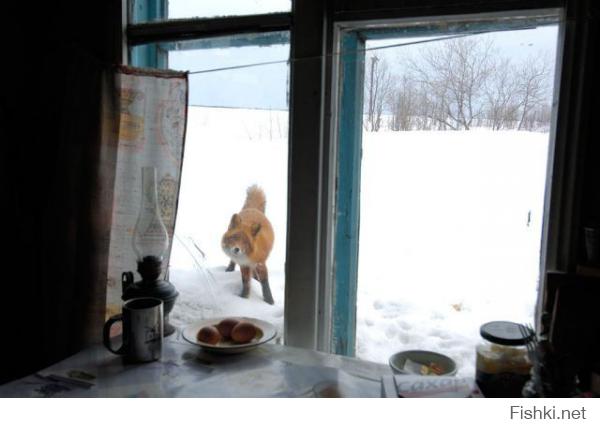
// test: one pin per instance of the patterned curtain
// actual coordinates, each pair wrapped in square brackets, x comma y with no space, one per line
[151,132]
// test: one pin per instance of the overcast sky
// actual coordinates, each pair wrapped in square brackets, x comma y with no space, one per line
[211,8]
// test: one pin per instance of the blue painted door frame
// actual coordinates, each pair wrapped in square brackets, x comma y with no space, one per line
[351,78]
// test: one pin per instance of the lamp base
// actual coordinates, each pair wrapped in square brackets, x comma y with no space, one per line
[168,329]
[157,288]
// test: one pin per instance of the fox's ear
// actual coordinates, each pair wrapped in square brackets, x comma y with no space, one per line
[255,229]
[235,221]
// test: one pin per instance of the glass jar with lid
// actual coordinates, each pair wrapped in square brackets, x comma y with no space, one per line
[503,364]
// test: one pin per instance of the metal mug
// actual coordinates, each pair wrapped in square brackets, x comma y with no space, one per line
[142,320]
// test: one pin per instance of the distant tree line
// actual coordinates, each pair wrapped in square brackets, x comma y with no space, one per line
[457,85]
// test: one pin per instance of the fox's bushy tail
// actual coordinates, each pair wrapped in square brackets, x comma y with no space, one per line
[255,198]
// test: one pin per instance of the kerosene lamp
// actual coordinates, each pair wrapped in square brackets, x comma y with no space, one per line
[150,244]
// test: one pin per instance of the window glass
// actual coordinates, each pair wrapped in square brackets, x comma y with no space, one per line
[237,137]
[151,10]
[199,8]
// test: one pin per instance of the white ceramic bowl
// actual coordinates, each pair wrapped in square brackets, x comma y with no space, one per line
[265,332]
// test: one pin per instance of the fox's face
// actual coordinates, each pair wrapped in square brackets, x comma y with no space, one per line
[237,242]
[237,246]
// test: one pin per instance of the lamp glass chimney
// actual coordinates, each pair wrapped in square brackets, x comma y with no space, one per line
[150,237]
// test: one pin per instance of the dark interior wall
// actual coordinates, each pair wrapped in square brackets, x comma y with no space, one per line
[52,51]
[590,214]
[578,296]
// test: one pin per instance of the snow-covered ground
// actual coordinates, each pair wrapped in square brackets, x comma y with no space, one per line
[450,229]
[449,238]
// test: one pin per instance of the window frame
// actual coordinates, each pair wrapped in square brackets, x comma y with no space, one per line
[312,163]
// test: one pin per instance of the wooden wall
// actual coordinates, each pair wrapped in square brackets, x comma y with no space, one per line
[48,117]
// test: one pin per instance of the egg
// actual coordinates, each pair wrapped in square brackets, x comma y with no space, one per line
[209,334]
[243,332]
[226,325]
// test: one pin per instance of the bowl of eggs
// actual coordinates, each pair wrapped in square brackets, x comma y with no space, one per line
[229,335]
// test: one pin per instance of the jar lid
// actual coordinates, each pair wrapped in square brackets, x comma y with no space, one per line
[506,333]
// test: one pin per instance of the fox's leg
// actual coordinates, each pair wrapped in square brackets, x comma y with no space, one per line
[231,266]
[255,275]
[245,281]
[263,275]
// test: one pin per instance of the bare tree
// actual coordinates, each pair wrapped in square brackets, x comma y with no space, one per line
[502,96]
[534,87]
[458,84]
[541,117]
[378,83]
[455,74]
[403,104]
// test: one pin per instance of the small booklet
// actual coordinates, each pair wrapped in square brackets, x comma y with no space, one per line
[415,386]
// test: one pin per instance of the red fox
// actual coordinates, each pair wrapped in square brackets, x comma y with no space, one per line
[248,242]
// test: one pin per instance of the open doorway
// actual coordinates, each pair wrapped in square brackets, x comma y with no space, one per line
[454,144]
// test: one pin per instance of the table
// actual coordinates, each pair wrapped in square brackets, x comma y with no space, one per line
[186,371]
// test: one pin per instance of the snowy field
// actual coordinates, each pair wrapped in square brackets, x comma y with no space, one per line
[450,229]
[449,238]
